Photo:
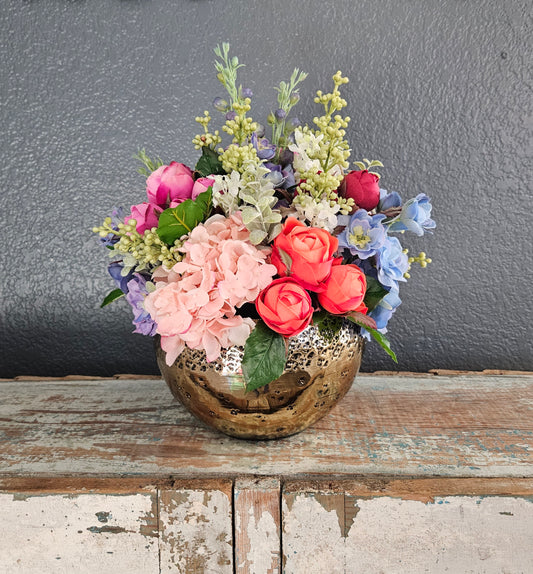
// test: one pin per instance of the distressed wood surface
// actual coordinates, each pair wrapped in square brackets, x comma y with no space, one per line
[340,532]
[419,425]
[257,526]
[196,529]
[82,533]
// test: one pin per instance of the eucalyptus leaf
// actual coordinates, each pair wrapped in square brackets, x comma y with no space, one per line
[264,357]
[112,296]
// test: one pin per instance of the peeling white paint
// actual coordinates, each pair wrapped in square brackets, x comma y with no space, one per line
[264,542]
[196,532]
[492,535]
[85,534]
[312,538]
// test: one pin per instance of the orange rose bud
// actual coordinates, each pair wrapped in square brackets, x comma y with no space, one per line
[305,253]
[285,306]
[345,290]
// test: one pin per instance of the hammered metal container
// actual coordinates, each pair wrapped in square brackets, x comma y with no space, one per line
[318,373]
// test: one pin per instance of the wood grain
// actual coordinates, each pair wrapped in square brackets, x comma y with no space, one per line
[257,526]
[398,426]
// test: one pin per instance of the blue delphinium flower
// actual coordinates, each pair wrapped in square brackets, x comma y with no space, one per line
[364,234]
[264,149]
[415,216]
[391,263]
[383,311]
[144,324]
[388,200]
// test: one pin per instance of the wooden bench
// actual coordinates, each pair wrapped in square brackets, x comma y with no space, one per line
[409,474]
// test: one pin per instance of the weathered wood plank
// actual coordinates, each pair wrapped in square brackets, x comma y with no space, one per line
[412,425]
[257,526]
[407,527]
[452,534]
[313,532]
[195,528]
[82,533]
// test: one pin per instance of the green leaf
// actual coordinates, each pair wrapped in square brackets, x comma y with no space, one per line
[377,336]
[209,163]
[286,259]
[113,296]
[374,292]
[264,357]
[328,325]
[182,219]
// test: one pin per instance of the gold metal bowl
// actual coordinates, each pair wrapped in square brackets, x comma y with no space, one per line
[318,373]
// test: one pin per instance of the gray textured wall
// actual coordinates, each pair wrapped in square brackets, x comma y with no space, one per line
[439,92]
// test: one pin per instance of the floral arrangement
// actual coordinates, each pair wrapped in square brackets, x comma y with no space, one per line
[265,235]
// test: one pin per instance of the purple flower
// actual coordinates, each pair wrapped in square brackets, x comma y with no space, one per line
[364,234]
[117,216]
[391,263]
[121,281]
[414,216]
[144,324]
[220,105]
[265,150]
[280,114]
[231,115]
[246,93]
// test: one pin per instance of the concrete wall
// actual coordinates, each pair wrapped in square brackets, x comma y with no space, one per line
[439,92]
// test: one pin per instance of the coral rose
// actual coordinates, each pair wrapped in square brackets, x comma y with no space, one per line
[345,290]
[169,183]
[305,253]
[362,187]
[285,306]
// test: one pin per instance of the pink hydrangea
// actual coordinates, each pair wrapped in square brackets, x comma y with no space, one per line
[195,302]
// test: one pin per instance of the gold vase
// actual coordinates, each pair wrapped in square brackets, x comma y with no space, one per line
[318,373]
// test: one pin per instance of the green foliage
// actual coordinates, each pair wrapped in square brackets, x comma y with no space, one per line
[288,97]
[149,165]
[264,357]
[374,292]
[367,165]
[209,163]
[227,71]
[178,221]
[328,325]
[374,333]
[112,296]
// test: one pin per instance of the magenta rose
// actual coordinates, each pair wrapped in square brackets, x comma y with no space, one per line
[169,183]
[362,187]
[201,185]
[146,215]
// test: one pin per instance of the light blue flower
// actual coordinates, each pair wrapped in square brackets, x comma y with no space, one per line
[415,216]
[364,234]
[384,310]
[388,200]
[391,263]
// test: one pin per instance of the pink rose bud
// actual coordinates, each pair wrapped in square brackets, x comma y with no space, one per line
[345,290]
[285,306]
[362,187]
[146,215]
[201,185]
[168,183]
